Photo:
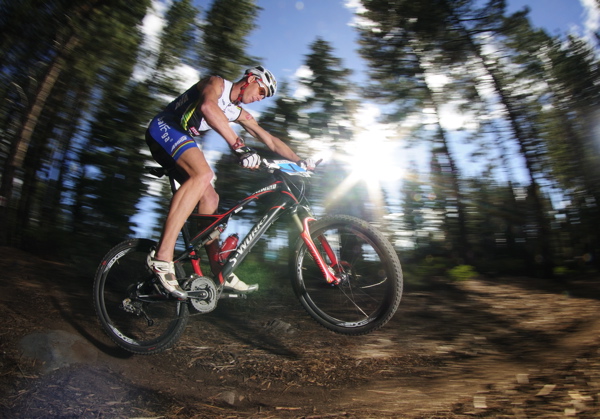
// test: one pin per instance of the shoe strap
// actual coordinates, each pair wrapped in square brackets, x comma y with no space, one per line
[163,264]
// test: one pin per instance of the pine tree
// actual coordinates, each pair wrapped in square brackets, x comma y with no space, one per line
[329,108]
[565,122]
[69,68]
[406,38]
[406,48]
[224,41]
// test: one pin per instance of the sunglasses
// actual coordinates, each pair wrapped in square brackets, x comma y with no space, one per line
[262,89]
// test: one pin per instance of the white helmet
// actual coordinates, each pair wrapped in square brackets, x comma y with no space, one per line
[265,76]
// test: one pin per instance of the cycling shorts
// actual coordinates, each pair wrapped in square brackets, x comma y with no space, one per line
[170,136]
[167,141]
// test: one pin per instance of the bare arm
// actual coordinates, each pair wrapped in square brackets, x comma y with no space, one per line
[275,144]
[210,91]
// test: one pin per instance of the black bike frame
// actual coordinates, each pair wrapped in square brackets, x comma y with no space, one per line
[286,202]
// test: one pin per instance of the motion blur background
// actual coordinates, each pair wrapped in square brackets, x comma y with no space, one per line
[468,131]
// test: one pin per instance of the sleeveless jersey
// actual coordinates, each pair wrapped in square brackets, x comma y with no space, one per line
[185,109]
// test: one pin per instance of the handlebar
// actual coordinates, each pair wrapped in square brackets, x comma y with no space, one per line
[285,166]
[269,165]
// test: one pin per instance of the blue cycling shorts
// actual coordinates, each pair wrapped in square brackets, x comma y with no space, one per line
[170,136]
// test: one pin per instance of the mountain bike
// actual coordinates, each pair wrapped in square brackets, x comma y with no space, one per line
[346,274]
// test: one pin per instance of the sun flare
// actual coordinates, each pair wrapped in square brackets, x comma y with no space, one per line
[375,160]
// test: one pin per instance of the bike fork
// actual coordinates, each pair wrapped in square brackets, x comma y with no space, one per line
[326,270]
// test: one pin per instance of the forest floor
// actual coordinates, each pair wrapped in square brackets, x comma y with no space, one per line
[508,347]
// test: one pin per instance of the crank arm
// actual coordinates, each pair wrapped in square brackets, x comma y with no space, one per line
[201,295]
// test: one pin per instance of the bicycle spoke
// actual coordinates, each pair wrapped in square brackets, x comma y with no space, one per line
[365,298]
[134,314]
[356,305]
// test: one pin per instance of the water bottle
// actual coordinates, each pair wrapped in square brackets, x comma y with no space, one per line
[227,247]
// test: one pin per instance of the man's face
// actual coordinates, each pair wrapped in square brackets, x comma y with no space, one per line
[255,92]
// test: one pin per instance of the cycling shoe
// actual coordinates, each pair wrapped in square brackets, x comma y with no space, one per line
[235,284]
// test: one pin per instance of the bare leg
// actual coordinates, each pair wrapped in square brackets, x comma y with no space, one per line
[196,190]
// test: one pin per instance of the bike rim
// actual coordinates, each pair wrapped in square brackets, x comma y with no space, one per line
[364,294]
[130,320]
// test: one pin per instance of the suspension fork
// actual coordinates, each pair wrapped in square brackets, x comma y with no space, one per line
[326,270]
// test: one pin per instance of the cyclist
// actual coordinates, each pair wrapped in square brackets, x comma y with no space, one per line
[212,103]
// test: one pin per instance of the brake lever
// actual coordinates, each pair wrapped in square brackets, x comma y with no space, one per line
[317,163]
[269,165]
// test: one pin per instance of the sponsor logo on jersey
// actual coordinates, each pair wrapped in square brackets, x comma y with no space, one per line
[181,101]
[164,128]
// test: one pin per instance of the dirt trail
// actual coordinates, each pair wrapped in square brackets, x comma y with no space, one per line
[511,347]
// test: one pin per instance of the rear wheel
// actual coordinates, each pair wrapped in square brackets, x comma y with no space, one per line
[367,265]
[134,314]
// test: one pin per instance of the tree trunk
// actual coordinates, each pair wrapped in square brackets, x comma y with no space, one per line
[20,147]
[544,243]
[21,144]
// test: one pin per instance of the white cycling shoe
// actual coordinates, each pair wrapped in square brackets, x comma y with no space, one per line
[237,285]
[165,271]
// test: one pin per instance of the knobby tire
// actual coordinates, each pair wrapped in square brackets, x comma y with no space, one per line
[371,292]
[146,327]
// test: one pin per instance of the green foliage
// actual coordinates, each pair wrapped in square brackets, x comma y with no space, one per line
[462,273]
[255,270]
[284,116]
[328,109]
[83,162]
[72,117]
[224,39]
[406,42]
[77,49]
[178,36]
[499,266]
[432,266]
[413,41]
[177,44]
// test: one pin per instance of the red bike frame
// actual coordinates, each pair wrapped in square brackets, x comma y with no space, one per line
[286,202]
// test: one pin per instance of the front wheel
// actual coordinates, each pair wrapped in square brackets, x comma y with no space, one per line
[370,276]
[132,311]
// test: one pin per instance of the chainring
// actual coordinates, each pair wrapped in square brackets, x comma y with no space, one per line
[207,302]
